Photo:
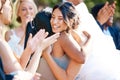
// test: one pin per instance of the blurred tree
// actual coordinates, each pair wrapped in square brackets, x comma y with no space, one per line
[89,3]
[50,3]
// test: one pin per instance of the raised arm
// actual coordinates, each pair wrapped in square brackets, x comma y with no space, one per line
[32,67]
[8,58]
[32,45]
[59,73]
[106,12]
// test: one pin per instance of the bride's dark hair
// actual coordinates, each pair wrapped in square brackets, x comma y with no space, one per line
[69,13]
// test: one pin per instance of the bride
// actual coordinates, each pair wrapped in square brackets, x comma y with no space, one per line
[103,58]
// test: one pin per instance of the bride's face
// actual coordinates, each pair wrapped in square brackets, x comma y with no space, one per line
[57,21]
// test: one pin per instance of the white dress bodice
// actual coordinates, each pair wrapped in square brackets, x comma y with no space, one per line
[14,44]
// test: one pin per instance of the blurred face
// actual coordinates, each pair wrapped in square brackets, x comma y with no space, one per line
[57,21]
[26,11]
[110,21]
[6,11]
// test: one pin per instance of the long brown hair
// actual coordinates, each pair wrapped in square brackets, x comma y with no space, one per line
[69,14]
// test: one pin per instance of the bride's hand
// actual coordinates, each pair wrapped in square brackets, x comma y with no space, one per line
[24,75]
[88,37]
[47,51]
[87,46]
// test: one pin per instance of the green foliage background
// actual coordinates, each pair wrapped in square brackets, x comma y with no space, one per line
[89,3]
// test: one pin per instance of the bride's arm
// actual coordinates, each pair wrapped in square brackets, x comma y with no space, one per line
[71,49]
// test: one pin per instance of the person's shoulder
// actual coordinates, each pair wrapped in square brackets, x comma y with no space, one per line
[8,34]
[63,37]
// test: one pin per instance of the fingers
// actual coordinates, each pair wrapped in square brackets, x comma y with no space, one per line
[52,38]
[112,8]
[36,40]
[88,37]
[86,34]
[37,76]
[106,12]
[41,34]
[113,4]
[30,37]
[49,40]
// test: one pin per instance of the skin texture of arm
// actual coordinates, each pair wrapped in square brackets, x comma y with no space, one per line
[76,56]
[54,67]
[74,65]
[8,58]
[70,49]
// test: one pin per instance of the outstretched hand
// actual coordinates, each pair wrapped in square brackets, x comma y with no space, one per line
[106,12]
[34,42]
[24,75]
[49,40]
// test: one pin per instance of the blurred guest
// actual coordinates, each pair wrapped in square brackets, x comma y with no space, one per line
[106,26]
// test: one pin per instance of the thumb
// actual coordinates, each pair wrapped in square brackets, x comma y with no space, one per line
[30,36]
[88,37]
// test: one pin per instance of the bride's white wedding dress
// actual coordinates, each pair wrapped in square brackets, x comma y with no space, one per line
[103,60]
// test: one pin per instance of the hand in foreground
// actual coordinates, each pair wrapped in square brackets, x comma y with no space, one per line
[36,40]
[87,46]
[48,41]
[23,75]
[106,12]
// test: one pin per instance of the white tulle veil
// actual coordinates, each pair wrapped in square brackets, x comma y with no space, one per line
[103,59]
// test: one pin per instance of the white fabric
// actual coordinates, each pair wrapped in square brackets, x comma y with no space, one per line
[14,44]
[103,62]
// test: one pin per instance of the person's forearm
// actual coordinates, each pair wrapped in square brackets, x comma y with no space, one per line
[25,57]
[34,62]
[10,62]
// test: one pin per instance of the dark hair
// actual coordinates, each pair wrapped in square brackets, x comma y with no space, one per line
[96,9]
[42,21]
[69,13]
